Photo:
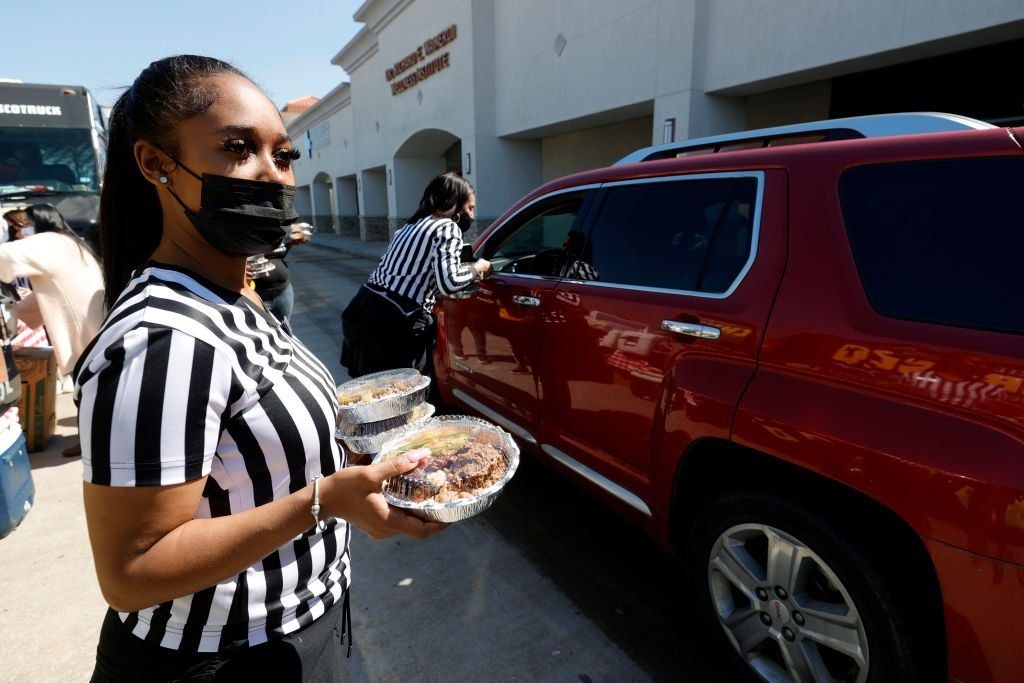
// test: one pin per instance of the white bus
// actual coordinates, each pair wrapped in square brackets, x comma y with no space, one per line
[52,150]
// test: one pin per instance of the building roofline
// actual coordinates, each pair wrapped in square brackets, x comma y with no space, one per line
[364,9]
[308,101]
[338,98]
[379,13]
[356,51]
[375,16]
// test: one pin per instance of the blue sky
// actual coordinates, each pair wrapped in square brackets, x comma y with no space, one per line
[284,46]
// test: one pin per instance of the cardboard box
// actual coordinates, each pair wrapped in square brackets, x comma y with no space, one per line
[38,406]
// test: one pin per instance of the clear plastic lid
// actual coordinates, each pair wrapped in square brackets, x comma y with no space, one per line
[379,386]
[468,458]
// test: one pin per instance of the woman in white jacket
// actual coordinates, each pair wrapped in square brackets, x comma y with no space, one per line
[67,283]
[65,277]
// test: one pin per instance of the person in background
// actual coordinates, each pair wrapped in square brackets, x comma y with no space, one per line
[574,261]
[27,308]
[67,285]
[274,284]
[389,323]
[65,276]
[15,219]
[28,311]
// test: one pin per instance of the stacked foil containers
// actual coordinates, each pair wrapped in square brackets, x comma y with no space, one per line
[366,423]
[380,413]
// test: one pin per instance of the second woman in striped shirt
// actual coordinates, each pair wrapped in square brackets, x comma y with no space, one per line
[388,324]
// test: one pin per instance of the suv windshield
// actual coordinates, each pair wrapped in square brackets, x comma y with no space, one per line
[47,159]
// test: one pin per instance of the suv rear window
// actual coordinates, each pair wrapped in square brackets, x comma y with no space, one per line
[937,241]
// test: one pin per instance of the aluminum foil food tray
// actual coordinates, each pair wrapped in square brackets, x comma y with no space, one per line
[386,407]
[455,510]
[368,438]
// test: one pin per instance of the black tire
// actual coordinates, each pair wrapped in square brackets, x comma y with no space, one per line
[886,600]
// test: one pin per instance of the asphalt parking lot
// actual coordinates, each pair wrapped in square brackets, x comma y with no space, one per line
[548,585]
[569,590]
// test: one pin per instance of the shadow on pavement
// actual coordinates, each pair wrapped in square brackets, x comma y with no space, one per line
[611,570]
[52,456]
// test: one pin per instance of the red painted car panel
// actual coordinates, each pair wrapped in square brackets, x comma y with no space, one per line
[492,344]
[925,419]
[849,374]
[982,625]
[625,397]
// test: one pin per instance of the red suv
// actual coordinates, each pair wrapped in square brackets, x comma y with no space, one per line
[794,356]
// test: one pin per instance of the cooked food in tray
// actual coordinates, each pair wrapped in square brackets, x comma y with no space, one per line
[451,474]
[381,396]
[374,392]
[468,459]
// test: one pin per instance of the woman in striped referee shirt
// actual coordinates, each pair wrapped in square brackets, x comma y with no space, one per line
[388,324]
[206,426]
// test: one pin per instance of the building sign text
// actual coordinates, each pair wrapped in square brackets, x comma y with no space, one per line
[421,54]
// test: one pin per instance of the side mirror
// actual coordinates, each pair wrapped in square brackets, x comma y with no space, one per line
[467,254]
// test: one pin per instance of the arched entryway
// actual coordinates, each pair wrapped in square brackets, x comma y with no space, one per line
[323,202]
[304,202]
[346,205]
[421,157]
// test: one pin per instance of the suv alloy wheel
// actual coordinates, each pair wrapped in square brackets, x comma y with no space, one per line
[791,596]
[784,609]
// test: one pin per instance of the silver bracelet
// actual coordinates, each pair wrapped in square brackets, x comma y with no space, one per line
[315,510]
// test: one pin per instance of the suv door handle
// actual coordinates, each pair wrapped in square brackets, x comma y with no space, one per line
[691,329]
[528,301]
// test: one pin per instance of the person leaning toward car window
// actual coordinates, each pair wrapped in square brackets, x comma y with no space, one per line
[214,489]
[573,262]
[388,324]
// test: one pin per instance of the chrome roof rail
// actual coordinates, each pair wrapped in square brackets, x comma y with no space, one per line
[876,126]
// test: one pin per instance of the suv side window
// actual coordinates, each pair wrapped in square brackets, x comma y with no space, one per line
[687,235]
[935,241]
[536,241]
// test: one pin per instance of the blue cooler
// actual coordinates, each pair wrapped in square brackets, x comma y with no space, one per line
[17,492]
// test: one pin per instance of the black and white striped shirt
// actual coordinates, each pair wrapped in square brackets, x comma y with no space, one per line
[423,258]
[578,269]
[188,380]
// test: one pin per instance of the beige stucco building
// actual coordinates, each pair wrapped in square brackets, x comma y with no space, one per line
[512,93]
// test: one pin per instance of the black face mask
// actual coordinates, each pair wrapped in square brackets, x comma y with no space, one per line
[465,222]
[241,217]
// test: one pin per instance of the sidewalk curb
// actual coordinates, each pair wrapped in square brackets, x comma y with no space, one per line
[349,251]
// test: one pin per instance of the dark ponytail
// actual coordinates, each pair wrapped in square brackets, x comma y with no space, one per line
[166,93]
[445,196]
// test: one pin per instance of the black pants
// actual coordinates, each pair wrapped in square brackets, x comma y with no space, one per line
[383,331]
[314,653]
